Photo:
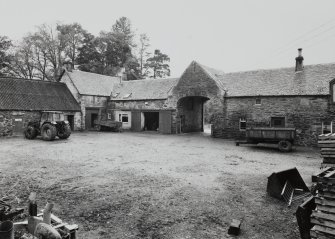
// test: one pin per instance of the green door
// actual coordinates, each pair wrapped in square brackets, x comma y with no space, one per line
[136,121]
[165,122]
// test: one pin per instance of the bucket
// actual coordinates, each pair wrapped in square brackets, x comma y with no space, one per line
[6,230]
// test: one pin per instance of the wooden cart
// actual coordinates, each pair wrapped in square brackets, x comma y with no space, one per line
[284,137]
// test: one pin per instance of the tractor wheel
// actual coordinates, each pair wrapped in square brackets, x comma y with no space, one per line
[97,127]
[30,132]
[285,146]
[65,133]
[48,132]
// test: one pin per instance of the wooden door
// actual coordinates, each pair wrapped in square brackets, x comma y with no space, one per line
[18,127]
[165,122]
[136,121]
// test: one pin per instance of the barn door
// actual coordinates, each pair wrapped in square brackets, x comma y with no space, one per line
[18,126]
[136,121]
[165,122]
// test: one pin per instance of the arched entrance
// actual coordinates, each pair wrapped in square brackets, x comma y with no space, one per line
[190,114]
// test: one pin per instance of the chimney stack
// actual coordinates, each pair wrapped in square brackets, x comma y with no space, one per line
[67,65]
[299,65]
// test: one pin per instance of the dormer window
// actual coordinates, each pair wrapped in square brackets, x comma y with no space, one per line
[126,96]
[114,95]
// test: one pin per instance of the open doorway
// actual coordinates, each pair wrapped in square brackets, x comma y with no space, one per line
[151,121]
[70,118]
[93,118]
[191,114]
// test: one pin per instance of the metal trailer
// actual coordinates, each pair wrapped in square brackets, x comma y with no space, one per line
[284,137]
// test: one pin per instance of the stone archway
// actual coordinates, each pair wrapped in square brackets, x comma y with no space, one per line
[190,114]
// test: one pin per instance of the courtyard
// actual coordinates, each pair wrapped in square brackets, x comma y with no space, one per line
[148,185]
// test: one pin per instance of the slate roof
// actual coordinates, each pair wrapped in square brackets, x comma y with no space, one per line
[23,94]
[313,80]
[89,83]
[143,89]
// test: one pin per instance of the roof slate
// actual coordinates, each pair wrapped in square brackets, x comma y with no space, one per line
[89,83]
[24,94]
[143,89]
[313,80]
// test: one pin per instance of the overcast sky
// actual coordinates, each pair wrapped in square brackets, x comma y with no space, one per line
[230,35]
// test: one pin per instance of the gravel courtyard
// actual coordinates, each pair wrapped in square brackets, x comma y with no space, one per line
[146,185]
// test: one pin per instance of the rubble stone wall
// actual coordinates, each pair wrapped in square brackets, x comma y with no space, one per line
[9,119]
[305,113]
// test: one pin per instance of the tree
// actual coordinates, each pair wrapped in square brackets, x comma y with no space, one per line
[158,65]
[71,36]
[5,58]
[143,53]
[91,54]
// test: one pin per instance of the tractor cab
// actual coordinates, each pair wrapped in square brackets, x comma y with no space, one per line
[52,117]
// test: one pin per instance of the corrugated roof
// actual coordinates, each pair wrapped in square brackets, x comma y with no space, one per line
[89,83]
[313,80]
[143,89]
[24,94]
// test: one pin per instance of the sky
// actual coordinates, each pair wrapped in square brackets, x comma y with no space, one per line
[230,35]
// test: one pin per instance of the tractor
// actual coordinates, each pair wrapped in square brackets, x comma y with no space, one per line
[50,125]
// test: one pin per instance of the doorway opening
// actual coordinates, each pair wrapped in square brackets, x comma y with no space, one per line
[151,121]
[191,115]
[93,118]
[70,118]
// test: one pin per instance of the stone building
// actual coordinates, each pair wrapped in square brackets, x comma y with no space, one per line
[91,92]
[23,100]
[301,97]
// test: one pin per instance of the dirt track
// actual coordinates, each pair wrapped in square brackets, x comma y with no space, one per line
[140,185]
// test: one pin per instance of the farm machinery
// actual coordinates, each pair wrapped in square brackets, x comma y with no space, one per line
[50,125]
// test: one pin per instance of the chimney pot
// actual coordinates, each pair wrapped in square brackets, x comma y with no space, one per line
[299,61]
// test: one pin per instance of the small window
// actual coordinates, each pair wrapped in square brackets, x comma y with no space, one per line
[243,124]
[109,116]
[278,122]
[123,118]
[258,101]
[327,127]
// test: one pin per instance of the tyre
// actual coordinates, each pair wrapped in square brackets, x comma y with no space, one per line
[65,132]
[48,132]
[97,127]
[30,132]
[285,146]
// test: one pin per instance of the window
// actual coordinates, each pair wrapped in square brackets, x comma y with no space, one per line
[109,116]
[123,118]
[327,127]
[243,124]
[258,101]
[278,122]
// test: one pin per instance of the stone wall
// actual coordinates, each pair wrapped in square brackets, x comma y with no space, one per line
[8,124]
[195,82]
[305,113]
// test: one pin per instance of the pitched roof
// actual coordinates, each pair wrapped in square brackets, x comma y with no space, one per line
[24,94]
[313,80]
[143,89]
[89,83]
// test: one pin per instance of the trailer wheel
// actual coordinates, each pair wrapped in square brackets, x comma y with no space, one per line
[285,146]
[97,127]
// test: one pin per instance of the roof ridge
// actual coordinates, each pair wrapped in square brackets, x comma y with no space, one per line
[33,80]
[92,73]
[279,68]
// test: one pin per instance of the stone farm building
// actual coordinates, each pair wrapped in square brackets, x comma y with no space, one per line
[23,100]
[299,97]
[91,92]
